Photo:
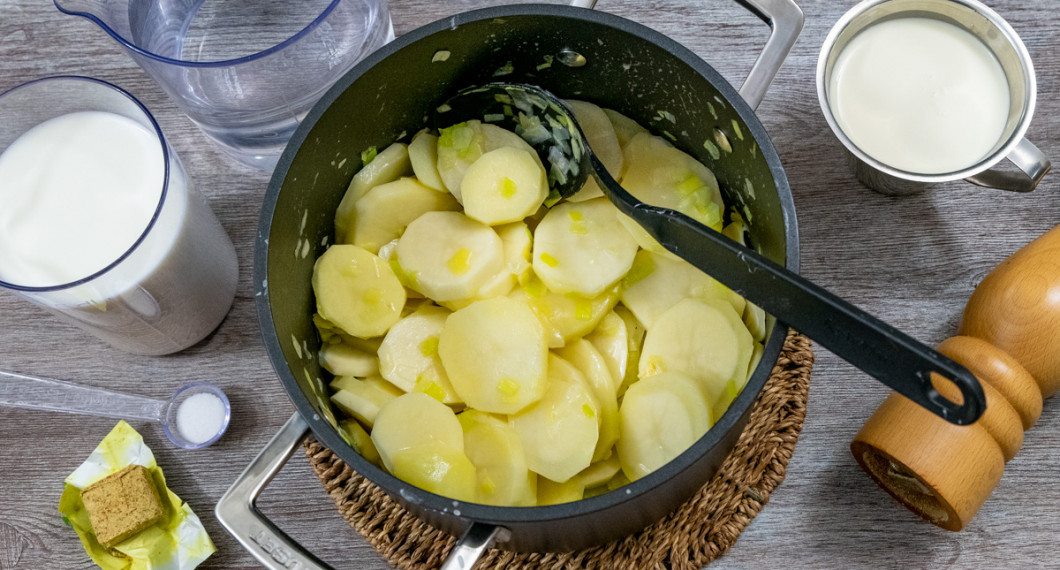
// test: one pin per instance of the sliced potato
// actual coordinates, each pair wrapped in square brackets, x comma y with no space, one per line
[661,175]
[448,256]
[408,356]
[495,355]
[346,360]
[600,134]
[550,492]
[559,432]
[755,319]
[504,185]
[611,340]
[600,472]
[704,339]
[459,146]
[625,128]
[360,441]
[584,356]
[493,447]
[518,245]
[438,469]
[357,291]
[635,332]
[581,248]
[363,398]
[565,316]
[423,154]
[415,420]
[382,215]
[387,166]
[661,417]
[330,333]
[657,282]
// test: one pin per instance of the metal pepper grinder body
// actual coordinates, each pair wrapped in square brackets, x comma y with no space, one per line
[1009,338]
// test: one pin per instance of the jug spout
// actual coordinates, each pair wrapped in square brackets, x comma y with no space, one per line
[245,71]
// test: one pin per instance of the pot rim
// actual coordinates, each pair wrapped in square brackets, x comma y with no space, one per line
[477,512]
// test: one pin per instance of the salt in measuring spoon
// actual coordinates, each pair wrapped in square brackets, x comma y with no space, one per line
[20,391]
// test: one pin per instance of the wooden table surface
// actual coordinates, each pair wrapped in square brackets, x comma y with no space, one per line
[912,261]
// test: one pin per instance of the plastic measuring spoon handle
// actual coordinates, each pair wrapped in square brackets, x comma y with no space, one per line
[20,391]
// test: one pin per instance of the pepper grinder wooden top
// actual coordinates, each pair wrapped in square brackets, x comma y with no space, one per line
[1009,338]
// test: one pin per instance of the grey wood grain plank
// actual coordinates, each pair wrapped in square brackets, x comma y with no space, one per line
[912,261]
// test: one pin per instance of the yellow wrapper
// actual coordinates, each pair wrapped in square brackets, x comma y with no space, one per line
[179,542]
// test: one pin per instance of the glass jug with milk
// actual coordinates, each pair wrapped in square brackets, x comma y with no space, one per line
[927,91]
[99,224]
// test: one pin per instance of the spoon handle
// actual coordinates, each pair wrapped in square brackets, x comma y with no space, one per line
[882,351]
[19,391]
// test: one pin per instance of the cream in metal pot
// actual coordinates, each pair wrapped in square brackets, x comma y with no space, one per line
[927,91]
[920,94]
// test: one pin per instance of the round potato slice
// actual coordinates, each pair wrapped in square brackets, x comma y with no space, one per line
[600,134]
[559,433]
[437,468]
[504,185]
[611,340]
[661,416]
[584,356]
[387,166]
[356,291]
[408,356]
[704,339]
[382,214]
[423,154]
[414,420]
[493,447]
[518,243]
[495,355]
[582,248]
[447,256]
[657,282]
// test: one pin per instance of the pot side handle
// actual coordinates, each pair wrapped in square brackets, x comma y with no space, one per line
[786,20]
[241,518]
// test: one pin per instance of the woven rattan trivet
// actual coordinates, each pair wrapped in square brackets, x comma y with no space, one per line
[699,531]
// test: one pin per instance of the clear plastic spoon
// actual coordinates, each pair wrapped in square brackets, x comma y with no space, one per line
[20,391]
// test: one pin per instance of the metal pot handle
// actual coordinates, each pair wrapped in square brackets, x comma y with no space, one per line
[242,519]
[1032,163]
[785,18]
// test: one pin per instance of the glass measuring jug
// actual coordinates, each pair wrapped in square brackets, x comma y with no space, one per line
[172,278]
[245,71]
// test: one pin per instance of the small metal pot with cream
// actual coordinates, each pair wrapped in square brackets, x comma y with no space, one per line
[928,91]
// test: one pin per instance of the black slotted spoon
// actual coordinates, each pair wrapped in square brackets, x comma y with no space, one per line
[880,350]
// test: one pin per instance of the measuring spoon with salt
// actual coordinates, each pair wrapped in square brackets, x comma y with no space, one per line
[195,416]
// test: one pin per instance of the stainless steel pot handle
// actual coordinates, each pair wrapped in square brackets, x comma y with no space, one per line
[242,519]
[1032,163]
[786,20]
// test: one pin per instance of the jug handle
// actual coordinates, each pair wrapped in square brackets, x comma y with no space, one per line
[785,18]
[1031,162]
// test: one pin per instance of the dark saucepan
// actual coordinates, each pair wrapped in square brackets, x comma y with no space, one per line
[627,67]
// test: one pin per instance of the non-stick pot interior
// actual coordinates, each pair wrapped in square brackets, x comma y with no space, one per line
[576,54]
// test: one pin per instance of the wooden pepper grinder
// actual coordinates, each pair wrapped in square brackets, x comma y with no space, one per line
[1010,339]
